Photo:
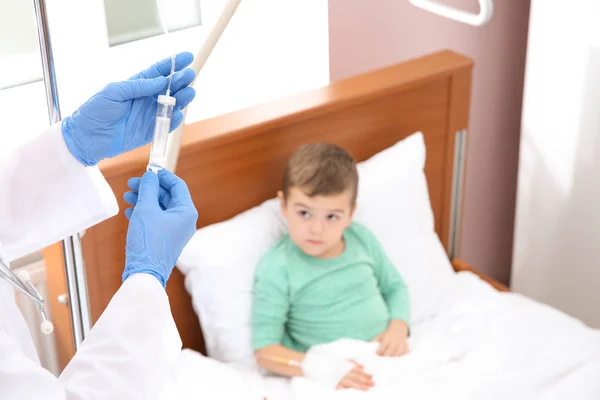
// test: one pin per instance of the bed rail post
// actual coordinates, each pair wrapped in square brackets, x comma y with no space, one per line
[457,191]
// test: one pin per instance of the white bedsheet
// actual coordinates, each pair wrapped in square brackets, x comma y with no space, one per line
[481,345]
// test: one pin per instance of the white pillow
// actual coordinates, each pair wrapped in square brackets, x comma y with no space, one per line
[393,202]
[220,260]
[219,264]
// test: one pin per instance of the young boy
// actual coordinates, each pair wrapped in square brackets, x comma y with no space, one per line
[329,277]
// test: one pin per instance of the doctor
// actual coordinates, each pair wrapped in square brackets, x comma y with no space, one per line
[50,188]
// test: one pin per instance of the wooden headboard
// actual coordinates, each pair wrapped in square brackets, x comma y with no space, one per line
[235,161]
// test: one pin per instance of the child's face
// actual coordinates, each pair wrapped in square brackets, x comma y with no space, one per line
[316,224]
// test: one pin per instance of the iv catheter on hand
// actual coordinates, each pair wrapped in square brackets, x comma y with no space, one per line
[22,282]
[281,360]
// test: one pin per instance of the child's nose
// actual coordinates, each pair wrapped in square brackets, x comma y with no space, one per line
[317,226]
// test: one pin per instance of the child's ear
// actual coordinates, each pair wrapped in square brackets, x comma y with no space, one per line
[353,210]
[282,202]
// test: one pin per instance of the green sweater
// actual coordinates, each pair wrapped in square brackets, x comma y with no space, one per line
[301,301]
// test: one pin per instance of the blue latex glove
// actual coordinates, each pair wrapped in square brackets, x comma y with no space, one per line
[161,223]
[121,117]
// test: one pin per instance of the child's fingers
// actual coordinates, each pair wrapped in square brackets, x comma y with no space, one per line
[361,377]
[353,381]
[383,346]
[349,384]
[389,350]
[378,338]
[361,373]
[395,350]
[404,349]
[392,349]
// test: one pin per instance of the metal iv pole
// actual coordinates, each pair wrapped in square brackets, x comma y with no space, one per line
[75,272]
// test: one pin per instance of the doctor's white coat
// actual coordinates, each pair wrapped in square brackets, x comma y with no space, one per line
[45,196]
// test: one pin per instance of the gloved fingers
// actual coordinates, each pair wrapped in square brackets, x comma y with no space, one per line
[148,191]
[184,97]
[163,67]
[182,79]
[131,198]
[175,186]
[133,89]
[128,213]
[176,119]
[134,183]
[164,197]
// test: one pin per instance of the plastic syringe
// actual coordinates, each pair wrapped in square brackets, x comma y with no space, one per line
[164,113]
[158,151]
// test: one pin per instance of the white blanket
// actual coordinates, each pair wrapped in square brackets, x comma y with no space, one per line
[482,345]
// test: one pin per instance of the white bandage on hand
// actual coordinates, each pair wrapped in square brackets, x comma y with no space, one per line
[326,369]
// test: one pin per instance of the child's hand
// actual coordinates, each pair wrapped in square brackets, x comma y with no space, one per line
[392,342]
[357,379]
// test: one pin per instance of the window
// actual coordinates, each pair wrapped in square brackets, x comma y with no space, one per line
[129,20]
[20,60]
[99,41]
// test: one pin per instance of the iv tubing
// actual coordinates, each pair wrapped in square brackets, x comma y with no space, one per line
[166,32]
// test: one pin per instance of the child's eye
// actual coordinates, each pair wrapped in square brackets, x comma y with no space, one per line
[304,214]
[333,217]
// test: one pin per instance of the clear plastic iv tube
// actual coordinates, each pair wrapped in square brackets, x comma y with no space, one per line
[158,151]
[164,113]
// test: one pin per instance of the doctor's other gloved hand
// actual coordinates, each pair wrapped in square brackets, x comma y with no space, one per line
[161,223]
[121,116]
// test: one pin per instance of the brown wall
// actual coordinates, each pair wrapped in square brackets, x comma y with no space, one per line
[368,34]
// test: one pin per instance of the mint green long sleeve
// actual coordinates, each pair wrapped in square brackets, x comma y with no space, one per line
[300,301]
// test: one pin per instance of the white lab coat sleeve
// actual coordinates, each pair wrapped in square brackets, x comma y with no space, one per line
[131,349]
[47,195]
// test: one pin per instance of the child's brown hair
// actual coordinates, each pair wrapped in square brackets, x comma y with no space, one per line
[321,169]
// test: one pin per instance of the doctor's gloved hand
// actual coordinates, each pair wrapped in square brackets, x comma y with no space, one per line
[161,223]
[121,117]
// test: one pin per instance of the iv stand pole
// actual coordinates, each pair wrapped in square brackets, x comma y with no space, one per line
[75,272]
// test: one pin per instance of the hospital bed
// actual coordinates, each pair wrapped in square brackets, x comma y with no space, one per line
[504,345]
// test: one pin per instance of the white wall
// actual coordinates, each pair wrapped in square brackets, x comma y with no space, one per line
[271,49]
[19,59]
[557,235]
[22,36]
[369,34]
